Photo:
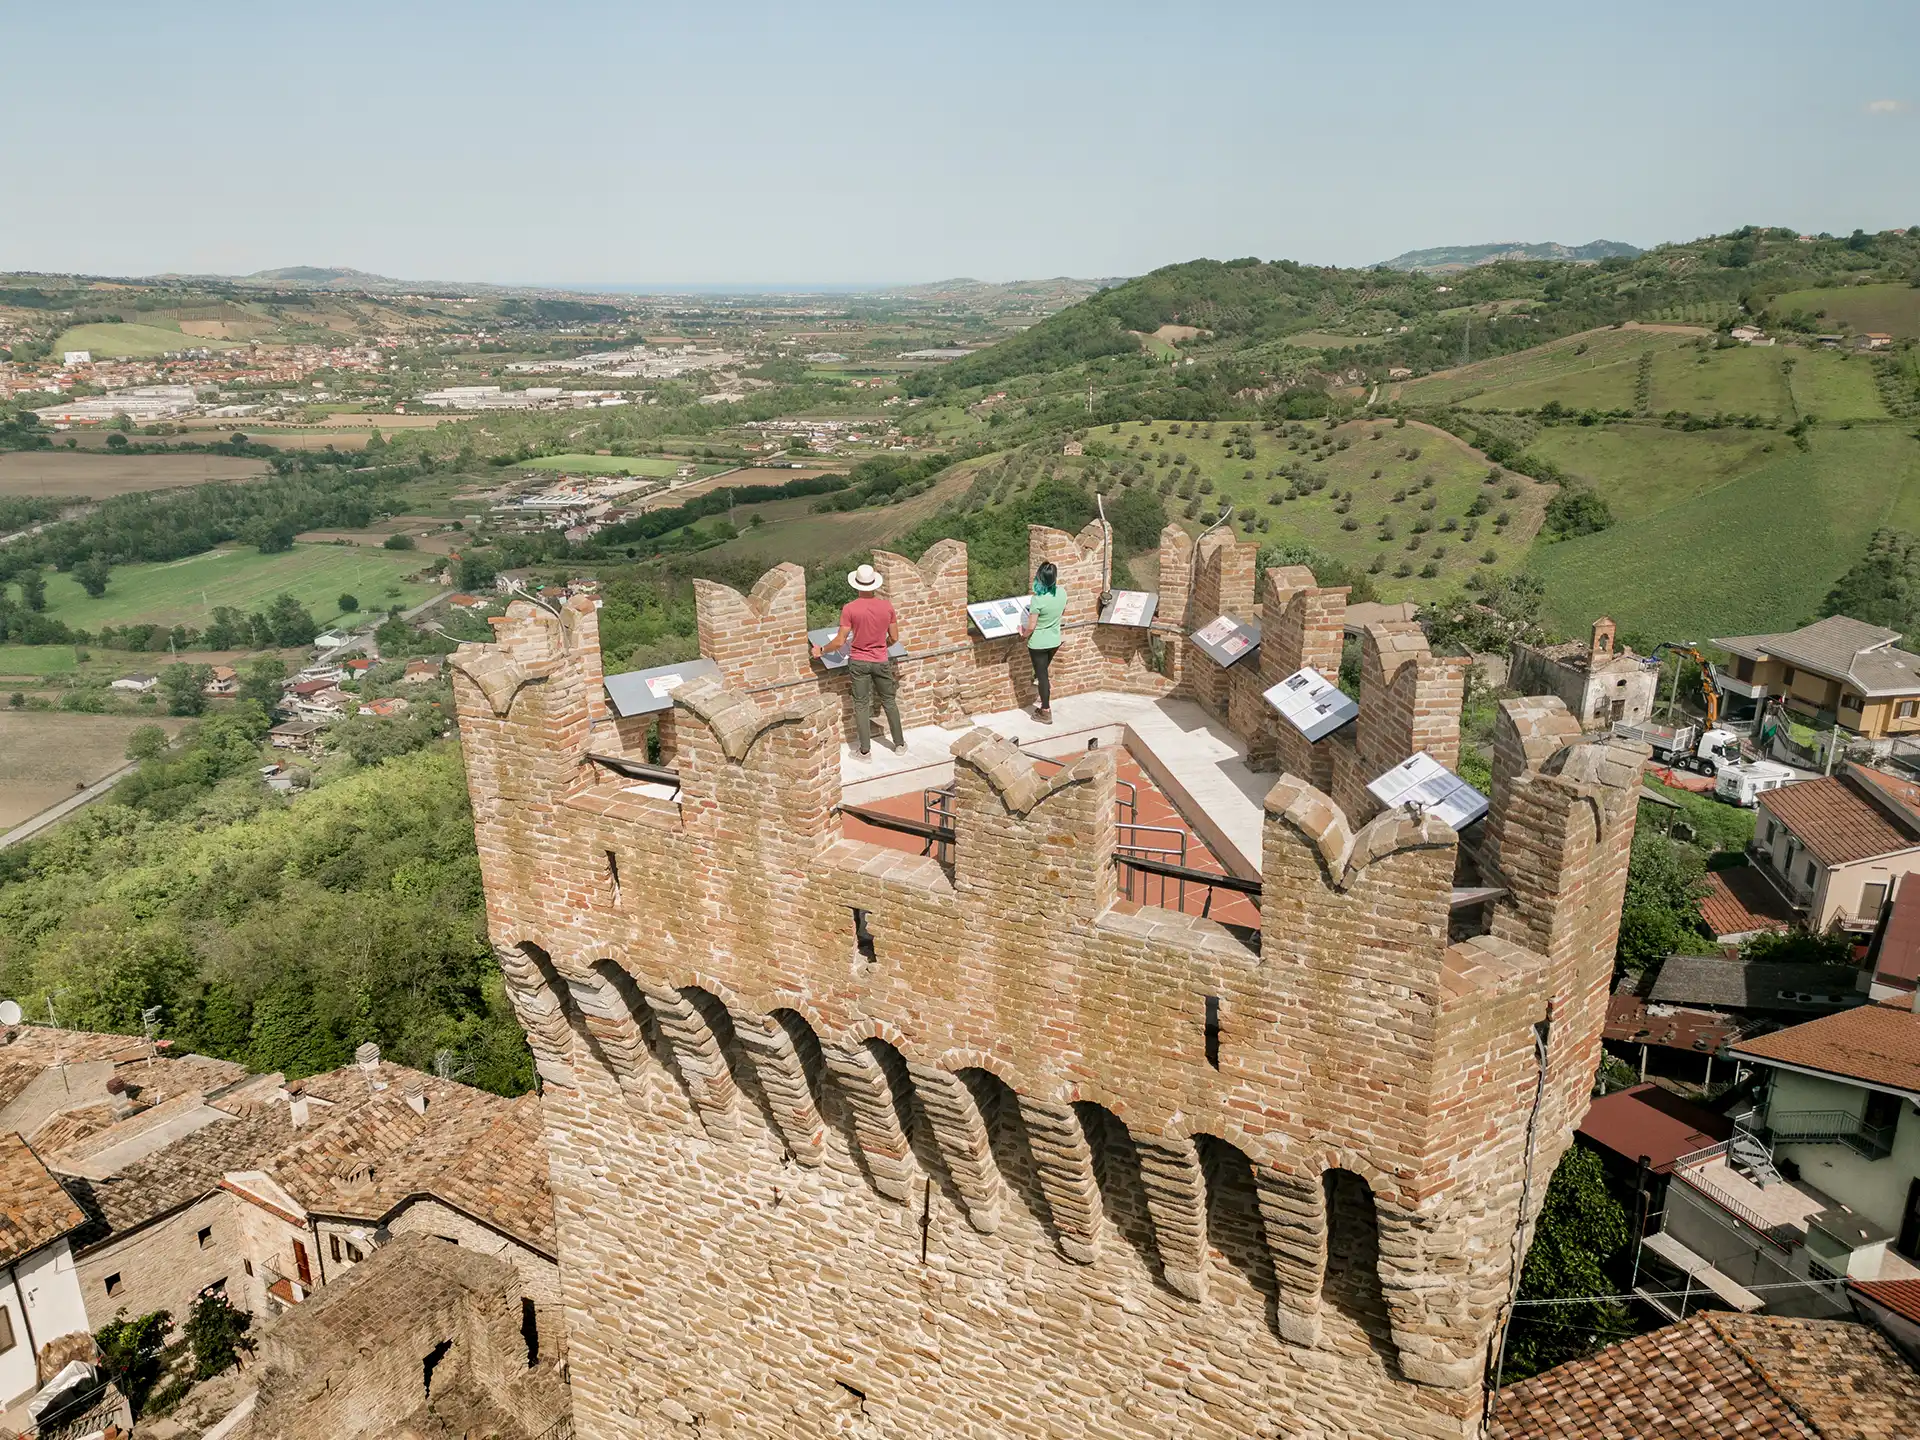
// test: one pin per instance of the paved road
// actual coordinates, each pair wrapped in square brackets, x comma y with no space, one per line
[54,814]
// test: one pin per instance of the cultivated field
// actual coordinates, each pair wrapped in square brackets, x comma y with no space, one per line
[63,473]
[46,755]
[789,529]
[648,466]
[1642,469]
[1417,464]
[1756,553]
[185,592]
[1893,309]
[133,341]
[1578,371]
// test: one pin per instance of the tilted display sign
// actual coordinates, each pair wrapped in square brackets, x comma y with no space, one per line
[1424,781]
[1227,640]
[1311,703]
[995,619]
[1134,608]
[647,692]
[837,659]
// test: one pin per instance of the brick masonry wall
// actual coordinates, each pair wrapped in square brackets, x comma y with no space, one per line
[756,1130]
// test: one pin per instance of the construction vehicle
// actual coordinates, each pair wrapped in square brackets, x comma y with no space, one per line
[1702,748]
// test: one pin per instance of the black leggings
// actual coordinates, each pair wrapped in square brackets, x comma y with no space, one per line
[1041,660]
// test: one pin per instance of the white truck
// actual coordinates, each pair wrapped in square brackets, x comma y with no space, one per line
[1705,752]
[1742,784]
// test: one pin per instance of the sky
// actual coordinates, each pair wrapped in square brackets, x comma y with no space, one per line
[785,144]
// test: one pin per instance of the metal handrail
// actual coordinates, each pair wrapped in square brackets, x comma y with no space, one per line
[1828,1127]
[1707,1190]
[636,769]
[881,820]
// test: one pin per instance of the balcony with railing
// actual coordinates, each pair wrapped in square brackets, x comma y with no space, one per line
[1825,1127]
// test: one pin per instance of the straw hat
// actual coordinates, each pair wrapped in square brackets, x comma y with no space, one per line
[866,578]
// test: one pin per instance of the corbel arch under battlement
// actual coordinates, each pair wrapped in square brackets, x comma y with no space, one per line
[1342,856]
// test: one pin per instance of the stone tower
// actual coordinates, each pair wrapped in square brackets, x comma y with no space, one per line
[849,1140]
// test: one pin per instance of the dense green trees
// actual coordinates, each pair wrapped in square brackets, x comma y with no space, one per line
[1883,587]
[1660,914]
[1576,1252]
[278,933]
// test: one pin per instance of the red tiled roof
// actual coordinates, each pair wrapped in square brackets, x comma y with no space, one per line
[1646,1120]
[1898,959]
[34,1210]
[1878,1044]
[1902,1297]
[1833,817]
[1740,902]
[1761,1377]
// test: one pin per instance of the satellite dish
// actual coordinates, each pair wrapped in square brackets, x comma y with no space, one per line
[9,1012]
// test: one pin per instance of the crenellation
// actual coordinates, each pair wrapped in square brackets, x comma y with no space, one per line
[1132,1149]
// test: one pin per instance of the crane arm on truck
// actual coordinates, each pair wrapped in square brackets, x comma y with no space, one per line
[1709,677]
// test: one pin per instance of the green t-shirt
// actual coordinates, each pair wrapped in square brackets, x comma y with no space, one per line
[1046,611]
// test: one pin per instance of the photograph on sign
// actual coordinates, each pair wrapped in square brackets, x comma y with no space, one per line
[1130,607]
[663,685]
[1215,631]
[997,618]
[1424,781]
[1311,703]
[1227,640]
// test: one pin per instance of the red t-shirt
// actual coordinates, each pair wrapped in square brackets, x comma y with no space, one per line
[867,620]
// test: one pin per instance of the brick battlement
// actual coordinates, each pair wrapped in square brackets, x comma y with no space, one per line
[961,1140]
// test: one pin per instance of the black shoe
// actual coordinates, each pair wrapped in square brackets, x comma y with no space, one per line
[866,750]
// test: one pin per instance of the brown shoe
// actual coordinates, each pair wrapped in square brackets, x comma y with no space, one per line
[1045,717]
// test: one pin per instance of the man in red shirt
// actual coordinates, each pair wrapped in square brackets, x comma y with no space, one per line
[870,622]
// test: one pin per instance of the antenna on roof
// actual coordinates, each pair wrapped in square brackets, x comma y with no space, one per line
[150,1025]
[446,1065]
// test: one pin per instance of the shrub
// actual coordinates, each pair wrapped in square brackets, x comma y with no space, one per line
[1429,571]
[397,542]
[1489,557]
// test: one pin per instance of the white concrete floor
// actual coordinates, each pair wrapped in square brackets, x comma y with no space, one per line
[1198,762]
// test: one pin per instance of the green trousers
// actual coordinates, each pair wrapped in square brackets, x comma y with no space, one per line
[870,676]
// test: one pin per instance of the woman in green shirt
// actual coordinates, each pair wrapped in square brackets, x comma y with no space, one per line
[1042,629]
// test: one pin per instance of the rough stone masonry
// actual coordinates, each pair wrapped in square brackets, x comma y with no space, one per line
[988,1175]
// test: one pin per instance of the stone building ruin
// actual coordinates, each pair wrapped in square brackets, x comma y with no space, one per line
[957,1136]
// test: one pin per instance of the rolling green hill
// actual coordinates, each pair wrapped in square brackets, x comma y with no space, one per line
[132,342]
[1461,257]
[1754,553]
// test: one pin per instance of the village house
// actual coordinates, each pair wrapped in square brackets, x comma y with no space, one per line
[389,705]
[1839,1115]
[1876,340]
[224,680]
[40,1305]
[303,735]
[422,672]
[138,684]
[1600,684]
[1835,671]
[188,1176]
[1835,846]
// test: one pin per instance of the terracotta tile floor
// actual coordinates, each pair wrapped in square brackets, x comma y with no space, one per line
[1152,808]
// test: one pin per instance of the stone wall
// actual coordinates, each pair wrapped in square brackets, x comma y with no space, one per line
[164,1265]
[1035,1166]
[421,1326]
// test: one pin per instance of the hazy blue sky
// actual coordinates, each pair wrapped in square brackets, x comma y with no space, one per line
[652,143]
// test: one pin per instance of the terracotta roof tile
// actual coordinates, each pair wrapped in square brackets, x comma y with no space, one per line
[1646,1120]
[1878,1044]
[1762,1377]
[34,1210]
[1740,902]
[1900,1296]
[1833,817]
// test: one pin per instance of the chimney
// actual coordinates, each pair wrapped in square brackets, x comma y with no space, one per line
[1602,640]
[367,1057]
[121,1100]
[417,1100]
[297,1108]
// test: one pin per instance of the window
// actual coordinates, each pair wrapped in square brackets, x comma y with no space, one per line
[1743,669]
[862,936]
[353,1253]
[247,1265]
[1770,832]
[1906,709]
[1213,1031]
[1813,874]
[114,1287]
[205,1237]
[6,1329]
[333,1247]
[1817,1271]
[1786,676]
[613,877]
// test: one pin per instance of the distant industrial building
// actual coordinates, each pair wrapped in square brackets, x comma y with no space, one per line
[141,405]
